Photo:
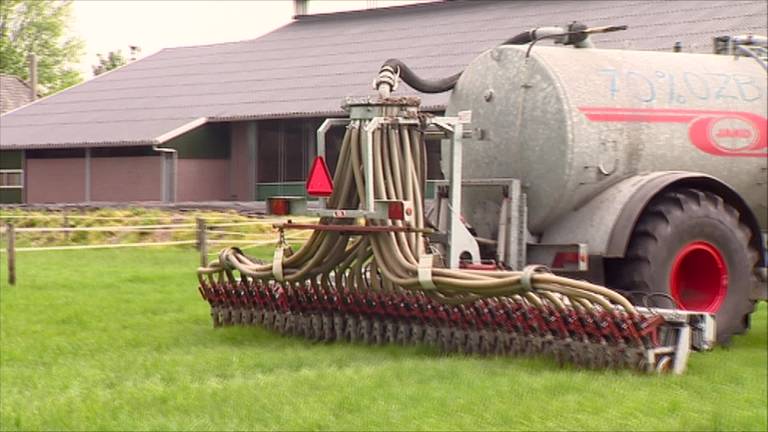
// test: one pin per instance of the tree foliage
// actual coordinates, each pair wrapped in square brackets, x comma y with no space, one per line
[111,61]
[40,27]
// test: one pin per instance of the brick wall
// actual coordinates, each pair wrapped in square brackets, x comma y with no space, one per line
[60,180]
[202,180]
[136,178]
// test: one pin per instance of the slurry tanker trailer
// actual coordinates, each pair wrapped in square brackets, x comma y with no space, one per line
[604,207]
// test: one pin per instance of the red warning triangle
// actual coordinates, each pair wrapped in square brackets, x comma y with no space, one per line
[319,183]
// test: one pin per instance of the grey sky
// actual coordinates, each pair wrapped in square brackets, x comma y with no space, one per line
[108,25]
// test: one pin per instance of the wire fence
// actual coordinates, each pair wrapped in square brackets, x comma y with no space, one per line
[174,217]
[204,229]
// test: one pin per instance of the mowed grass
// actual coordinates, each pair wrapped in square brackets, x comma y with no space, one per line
[121,340]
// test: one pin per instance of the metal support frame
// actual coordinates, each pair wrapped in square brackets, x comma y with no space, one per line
[682,331]
[351,229]
[459,239]
[369,127]
[753,46]
[323,129]
[702,324]
[321,132]
[370,209]
[454,193]
[512,237]
[518,227]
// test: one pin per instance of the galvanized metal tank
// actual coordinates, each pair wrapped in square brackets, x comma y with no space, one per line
[572,122]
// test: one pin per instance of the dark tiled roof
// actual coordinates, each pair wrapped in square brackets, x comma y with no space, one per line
[306,67]
[13,93]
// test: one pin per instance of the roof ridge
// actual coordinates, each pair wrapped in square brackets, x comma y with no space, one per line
[228,42]
[384,9]
[609,5]
[14,76]
[307,66]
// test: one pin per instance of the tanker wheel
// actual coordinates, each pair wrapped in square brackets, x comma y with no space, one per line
[690,245]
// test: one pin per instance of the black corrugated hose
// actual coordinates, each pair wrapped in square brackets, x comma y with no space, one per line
[443,84]
[420,84]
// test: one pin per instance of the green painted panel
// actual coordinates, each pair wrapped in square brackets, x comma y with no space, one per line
[430,192]
[105,152]
[210,141]
[264,191]
[10,159]
[10,196]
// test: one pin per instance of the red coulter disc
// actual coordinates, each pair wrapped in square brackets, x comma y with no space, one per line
[506,316]
[495,326]
[699,277]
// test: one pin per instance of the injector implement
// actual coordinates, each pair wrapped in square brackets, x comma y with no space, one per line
[380,267]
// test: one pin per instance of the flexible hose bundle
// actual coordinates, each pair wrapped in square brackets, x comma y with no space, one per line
[399,165]
[337,280]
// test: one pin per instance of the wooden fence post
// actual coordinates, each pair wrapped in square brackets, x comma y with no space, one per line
[202,243]
[66,225]
[11,254]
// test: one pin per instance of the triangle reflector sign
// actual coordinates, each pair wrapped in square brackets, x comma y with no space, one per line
[319,183]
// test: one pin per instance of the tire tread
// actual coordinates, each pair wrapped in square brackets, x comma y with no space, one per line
[634,271]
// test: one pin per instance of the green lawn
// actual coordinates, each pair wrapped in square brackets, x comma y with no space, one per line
[120,339]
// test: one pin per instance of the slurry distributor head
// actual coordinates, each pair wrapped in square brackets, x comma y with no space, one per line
[385,280]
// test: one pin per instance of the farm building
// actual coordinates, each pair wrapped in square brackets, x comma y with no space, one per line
[14,92]
[236,121]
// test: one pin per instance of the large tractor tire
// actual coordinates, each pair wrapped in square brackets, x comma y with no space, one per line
[690,245]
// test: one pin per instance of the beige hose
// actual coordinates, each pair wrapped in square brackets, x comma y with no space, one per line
[399,173]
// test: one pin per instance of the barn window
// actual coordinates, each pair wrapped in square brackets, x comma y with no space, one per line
[11,179]
[284,153]
[287,147]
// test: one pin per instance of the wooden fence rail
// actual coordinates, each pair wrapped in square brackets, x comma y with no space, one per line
[201,227]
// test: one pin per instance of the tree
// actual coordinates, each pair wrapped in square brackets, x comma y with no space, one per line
[113,60]
[40,27]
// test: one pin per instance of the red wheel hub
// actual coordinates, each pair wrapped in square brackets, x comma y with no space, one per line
[699,277]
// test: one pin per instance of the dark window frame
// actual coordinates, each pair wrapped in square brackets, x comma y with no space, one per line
[6,175]
[286,149]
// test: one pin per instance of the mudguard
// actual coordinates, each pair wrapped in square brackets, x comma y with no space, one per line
[605,223]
